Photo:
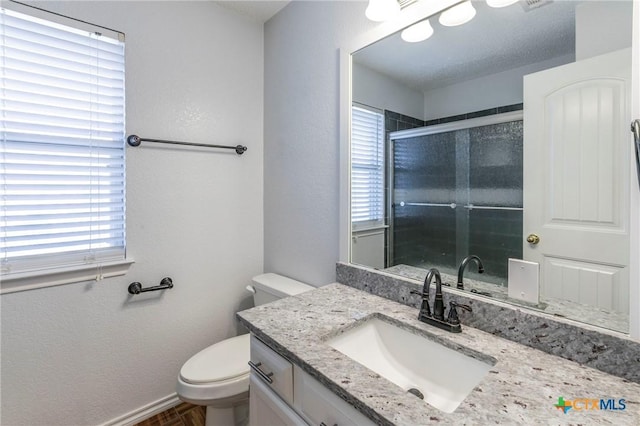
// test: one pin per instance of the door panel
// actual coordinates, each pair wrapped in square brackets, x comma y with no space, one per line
[601,286]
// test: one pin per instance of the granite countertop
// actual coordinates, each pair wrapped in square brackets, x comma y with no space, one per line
[521,388]
[612,320]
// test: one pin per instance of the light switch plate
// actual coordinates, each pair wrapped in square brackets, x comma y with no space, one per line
[524,281]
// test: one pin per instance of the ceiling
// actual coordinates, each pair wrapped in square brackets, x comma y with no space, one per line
[495,40]
[260,11]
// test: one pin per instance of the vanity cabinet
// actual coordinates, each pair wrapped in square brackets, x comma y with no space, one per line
[281,393]
[318,405]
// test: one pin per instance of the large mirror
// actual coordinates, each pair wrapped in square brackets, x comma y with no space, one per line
[505,138]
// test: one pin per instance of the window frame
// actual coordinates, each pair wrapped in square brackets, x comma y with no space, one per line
[66,269]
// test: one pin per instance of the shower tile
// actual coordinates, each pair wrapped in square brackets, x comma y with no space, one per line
[453,118]
[483,113]
[495,164]
[510,108]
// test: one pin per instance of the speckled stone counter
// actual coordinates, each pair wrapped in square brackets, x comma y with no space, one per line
[594,347]
[617,321]
[521,388]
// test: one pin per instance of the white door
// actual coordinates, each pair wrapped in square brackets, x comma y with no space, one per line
[576,177]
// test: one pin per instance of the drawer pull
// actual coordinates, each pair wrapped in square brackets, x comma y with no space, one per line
[265,376]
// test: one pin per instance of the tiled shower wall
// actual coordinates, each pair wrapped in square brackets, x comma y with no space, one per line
[481,166]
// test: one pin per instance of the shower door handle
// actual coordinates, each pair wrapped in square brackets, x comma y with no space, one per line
[635,129]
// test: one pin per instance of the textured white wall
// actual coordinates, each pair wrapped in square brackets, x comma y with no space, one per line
[602,27]
[491,91]
[87,353]
[302,136]
[371,88]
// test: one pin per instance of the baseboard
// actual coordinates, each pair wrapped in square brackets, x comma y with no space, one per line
[144,412]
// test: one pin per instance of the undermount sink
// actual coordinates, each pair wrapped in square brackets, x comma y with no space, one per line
[417,363]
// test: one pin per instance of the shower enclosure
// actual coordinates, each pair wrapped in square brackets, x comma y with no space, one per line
[456,189]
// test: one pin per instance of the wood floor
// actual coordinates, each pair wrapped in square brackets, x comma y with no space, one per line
[181,415]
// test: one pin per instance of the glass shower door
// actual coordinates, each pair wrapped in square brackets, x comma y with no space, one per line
[457,192]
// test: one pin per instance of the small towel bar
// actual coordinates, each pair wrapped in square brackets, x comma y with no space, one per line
[136,287]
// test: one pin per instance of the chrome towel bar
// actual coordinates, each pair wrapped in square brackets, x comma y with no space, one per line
[135,140]
[136,287]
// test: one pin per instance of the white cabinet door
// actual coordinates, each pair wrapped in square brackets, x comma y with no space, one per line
[267,409]
[576,179]
[319,406]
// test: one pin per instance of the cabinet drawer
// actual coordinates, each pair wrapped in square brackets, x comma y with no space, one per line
[272,369]
[318,405]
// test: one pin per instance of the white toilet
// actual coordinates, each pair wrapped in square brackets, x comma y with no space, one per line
[218,376]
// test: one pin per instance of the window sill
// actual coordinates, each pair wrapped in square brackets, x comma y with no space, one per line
[12,283]
[369,228]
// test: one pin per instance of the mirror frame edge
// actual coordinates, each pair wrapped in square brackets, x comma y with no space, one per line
[634,220]
[344,179]
[420,12]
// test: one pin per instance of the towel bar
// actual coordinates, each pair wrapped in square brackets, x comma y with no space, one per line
[136,287]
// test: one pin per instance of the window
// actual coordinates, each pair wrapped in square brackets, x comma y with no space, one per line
[367,167]
[62,167]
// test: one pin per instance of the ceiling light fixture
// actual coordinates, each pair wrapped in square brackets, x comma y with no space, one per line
[382,10]
[417,32]
[458,15]
[501,3]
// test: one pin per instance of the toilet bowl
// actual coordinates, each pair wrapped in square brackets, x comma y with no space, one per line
[218,376]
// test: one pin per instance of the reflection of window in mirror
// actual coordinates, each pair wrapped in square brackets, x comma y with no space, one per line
[367,186]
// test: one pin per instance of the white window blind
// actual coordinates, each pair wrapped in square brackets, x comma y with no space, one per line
[62,146]
[367,166]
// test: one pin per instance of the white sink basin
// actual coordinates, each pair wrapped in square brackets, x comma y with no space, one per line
[444,376]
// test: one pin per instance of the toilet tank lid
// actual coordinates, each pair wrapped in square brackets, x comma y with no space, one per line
[279,285]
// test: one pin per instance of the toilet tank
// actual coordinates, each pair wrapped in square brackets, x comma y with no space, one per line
[270,287]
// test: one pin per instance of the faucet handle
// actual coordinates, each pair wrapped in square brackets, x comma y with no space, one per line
[452,318]
[425,310]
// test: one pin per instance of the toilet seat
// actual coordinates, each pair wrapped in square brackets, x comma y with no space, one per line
[222,361]
[216,374]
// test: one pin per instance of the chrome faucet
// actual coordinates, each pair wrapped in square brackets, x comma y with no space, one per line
[463,265]
[452,323]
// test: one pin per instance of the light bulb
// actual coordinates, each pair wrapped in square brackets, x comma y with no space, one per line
[381,10]
[458,15]
[417,32]
[501,3]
